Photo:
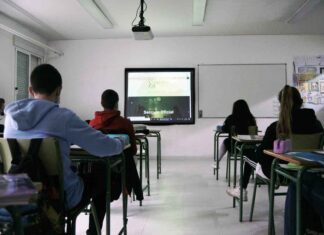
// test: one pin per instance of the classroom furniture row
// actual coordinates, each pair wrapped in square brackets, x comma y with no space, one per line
[304,144]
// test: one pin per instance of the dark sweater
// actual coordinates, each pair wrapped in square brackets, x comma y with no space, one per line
[304,121]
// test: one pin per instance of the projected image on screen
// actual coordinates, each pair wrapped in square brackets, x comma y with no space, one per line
[159,96]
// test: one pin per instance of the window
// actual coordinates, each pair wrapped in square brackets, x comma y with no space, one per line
[26,62]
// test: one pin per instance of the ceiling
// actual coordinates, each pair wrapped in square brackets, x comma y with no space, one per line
[66,19]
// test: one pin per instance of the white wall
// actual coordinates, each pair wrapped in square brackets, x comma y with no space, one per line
[7,62]
[90,66]
[7,56]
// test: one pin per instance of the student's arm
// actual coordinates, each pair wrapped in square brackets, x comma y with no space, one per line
[80,133]
[227,124]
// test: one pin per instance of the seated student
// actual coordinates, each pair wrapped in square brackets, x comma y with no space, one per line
[109,120]
[42,117]
[2,106]
[292,119]
[241,118]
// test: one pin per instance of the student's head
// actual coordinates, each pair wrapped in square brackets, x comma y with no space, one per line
[290,96]
[46,83]
[240,108]
[2,104]
[109,99]
[290,100]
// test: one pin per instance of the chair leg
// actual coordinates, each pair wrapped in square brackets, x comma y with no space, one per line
[95,218]
[227,165]
[253,198]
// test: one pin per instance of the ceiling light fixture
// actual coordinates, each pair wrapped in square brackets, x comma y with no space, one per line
[305,8]
[198,12]
[141,31]
[97,10]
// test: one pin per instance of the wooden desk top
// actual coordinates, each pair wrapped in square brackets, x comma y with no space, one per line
[248,138]
[291,159]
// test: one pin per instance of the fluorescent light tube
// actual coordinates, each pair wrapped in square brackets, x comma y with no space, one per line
[305,8]
[98,11]
[198,13]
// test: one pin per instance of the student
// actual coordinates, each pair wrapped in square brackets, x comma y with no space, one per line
[292,119]
[240,119]
[2,106]
[109,120]
[42,117]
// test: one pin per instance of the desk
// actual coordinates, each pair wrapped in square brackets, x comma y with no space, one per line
[293,175]
[217,135]
[242,142]
[156,133]
[143,143]
[80,155]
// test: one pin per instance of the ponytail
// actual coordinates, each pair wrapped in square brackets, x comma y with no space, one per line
[286,106]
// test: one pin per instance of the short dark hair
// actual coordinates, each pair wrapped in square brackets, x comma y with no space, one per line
[109,99]
[2,101]
[45,78]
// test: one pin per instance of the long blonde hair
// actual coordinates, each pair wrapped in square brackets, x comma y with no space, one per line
[290,99]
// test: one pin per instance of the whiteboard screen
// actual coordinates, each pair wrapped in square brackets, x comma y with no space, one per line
[220,85]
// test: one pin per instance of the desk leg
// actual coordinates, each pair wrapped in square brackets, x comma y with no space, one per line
[217,155]
[159,162]
[299,226]
[271,198]
[241,182]
[235,163]
[147,164]
[141,165]
[108,193]
[124,194]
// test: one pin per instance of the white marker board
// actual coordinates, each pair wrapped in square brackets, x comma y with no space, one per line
[220,85]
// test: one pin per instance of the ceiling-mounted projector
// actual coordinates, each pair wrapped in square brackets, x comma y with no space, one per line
[142,32]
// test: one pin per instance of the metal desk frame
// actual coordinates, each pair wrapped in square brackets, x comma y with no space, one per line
[142,141]
[156,133]
[295,176]
[239,147]
[217,135]
[110,162]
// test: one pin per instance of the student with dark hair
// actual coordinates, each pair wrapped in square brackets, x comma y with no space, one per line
[41,117]
[2,106]
[110,121]
[239,122]
[240,119]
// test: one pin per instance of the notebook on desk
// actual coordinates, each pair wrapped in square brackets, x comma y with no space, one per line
[308,156]
[250,137]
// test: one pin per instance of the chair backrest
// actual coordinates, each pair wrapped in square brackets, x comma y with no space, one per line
[253,130]
[49,156]
[307,141]
[5,155]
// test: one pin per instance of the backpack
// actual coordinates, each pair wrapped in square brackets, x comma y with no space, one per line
[49,201]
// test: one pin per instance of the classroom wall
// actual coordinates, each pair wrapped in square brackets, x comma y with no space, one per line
[7,56]
[91,66]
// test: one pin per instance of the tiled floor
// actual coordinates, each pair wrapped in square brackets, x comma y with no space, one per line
[187,200]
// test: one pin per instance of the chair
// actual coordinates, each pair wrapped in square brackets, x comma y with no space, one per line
[299,142]
[49,156]
[252,130]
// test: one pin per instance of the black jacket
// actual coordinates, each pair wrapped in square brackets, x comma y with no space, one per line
[304,121]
